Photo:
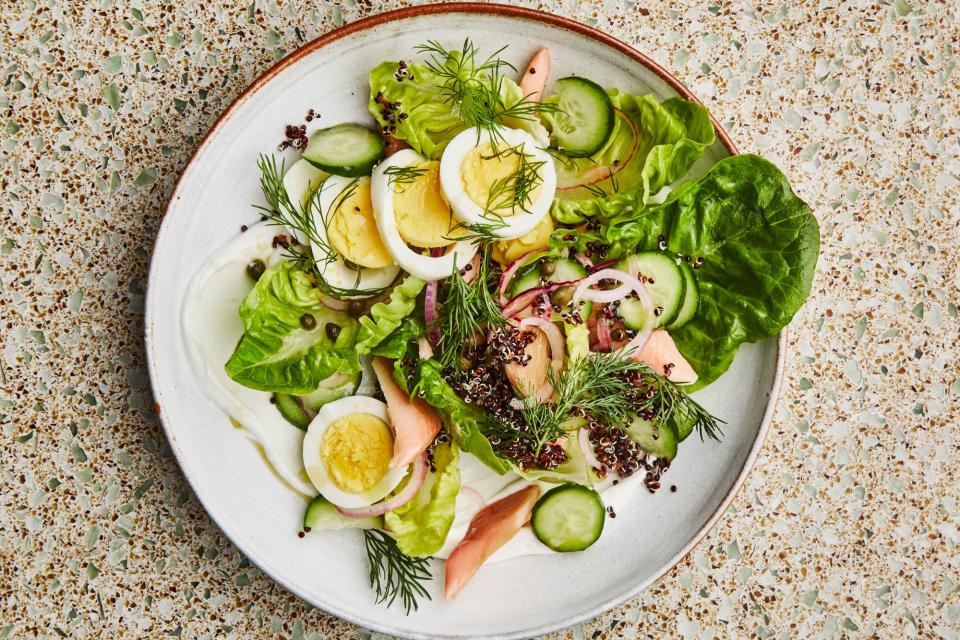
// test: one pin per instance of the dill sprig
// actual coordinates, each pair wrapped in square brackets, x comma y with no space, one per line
[394,574]
[309,220]
[516,190]
[474,86]
[400,176]
[466,310]
[596,385]
[478,233]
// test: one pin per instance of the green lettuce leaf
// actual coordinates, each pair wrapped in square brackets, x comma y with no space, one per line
[432,118]
[402,340]
[462,420]
[758,243]
[385,317]
[275,352]
[671,135]
[421,525]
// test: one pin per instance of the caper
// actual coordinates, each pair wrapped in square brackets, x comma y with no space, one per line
[333,330]
[617,334]
[356,308]
[255,269]
[562,296]
[548,268]
[307,321]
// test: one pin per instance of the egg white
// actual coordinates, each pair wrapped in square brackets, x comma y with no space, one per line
[313,461]
[468,211]
[299,179]
[425,267]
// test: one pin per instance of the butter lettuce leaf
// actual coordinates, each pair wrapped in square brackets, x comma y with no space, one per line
[402,340]
[758,243]
[421,525]
[276,353]
[432,117]
[659,141]
[462,420]
[385,317]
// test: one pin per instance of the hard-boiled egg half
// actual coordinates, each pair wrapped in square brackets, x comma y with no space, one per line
[350,254]
[411,212]
[347,452]
[505,181]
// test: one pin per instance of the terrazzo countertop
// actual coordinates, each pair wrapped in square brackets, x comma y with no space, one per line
[848,527]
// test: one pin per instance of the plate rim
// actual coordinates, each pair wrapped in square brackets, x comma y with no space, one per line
[363,24]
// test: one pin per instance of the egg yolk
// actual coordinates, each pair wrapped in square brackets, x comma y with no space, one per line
[352,231]
[506,251]
[423,216]
[356,451]
[488,179]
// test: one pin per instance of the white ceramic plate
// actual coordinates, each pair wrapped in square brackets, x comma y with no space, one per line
[517,598]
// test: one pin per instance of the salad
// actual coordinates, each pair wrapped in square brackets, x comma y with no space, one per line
[468,323]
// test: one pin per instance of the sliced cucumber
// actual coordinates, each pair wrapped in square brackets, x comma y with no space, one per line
[584,119]
[655,439]
[321,514]
[527,281]
[691,298]
[569,517]
[633,312]
[667,287]
[566,270]
[347,149]
[291,409]
[328,393]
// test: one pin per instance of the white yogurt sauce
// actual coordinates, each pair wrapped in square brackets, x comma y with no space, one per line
[212,326]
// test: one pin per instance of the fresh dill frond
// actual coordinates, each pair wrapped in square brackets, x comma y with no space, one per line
[466,310]
[478,233]
[475,87]
[307,220]
[394,574]
[515,191]
[400,176]
[599,385]
[596,190]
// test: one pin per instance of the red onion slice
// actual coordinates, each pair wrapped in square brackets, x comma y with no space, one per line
[586,447]
[511,270]
[475,495]
[418,473]
[603,334]
[334,304]
[600,173]
[525,299]
[557,351]
[637,342]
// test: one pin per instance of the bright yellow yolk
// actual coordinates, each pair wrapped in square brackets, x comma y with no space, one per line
[352,231]
[356,451]
[506,251]
[423,216]
[482,171]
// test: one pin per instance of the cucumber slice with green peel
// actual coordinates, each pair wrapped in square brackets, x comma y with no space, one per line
[321,514]
[291,409]
[324,393]
[691,298]
[348,149]
[658,440]
[664,281]
[527,281]
[569,517]
[584,119]
[633,312]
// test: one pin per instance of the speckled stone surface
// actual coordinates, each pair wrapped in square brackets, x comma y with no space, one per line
[848,527]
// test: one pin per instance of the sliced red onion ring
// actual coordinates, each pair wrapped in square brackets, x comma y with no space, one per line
[635,344]
[525,299]
[557,351]
[599,173]
[511,270]
[418,473]
[584,261]
[334,304]
[475,495]
[586,447]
